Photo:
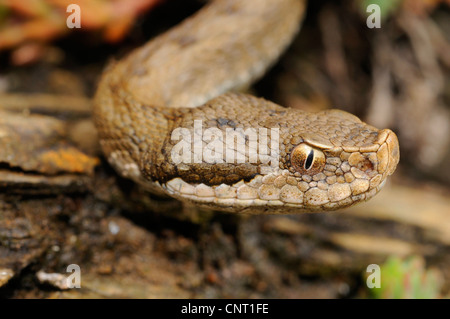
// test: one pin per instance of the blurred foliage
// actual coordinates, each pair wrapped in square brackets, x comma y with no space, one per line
[390,7]
[3,13]
[387,7]
[407,279]
[36,22]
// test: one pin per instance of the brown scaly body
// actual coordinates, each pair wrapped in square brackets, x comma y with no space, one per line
[174,89]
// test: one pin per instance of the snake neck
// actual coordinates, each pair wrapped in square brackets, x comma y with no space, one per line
[139,97]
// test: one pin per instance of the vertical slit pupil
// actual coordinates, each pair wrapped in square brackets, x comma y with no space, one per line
[309,159]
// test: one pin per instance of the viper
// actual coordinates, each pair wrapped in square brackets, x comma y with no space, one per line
[181,87]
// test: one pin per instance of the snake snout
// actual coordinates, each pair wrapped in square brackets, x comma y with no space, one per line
[388,155]
[371,165]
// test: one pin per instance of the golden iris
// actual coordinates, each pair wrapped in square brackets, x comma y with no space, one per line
[307,160]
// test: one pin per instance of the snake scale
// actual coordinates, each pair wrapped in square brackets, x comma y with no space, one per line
[166,111]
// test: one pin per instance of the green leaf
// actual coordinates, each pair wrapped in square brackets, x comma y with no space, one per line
[387,7]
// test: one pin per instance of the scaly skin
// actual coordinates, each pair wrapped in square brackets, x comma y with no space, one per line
[325,161]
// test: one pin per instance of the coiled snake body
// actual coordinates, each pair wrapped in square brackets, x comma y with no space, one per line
[174,90]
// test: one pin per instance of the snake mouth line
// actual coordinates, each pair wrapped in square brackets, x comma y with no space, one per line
[259,194]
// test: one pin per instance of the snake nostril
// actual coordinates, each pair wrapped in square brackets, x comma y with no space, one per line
[362,161]
[365,165]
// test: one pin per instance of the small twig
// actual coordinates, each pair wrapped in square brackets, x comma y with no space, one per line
[77,106]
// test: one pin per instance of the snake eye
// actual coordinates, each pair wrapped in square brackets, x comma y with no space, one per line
[307,160]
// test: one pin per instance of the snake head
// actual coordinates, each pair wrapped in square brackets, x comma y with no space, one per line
[338,160]
[324,161]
